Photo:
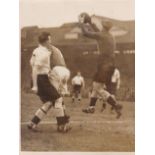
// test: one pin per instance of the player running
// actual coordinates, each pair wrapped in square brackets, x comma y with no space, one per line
[105,68]
[49,77]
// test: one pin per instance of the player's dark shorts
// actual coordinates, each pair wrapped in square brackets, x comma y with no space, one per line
[77,88]
[46,91]
[111,88]
[105,69]
[104,75]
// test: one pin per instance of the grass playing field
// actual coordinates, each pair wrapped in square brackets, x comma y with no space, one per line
[90,132]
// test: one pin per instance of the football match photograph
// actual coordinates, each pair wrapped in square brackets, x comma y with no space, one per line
[77,70]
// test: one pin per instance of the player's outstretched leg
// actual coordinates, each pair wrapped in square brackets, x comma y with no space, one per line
[110,99]
[116,106]
[40,113]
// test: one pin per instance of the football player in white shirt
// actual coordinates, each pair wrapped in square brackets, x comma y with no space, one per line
[112,86]
[47,82]
[77,83]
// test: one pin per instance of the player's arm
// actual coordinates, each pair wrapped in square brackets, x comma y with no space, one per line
[34,79]
[118,83]
[85,19]
[34,73]
[89,33]
[83,83]
[32,59]
[118,79]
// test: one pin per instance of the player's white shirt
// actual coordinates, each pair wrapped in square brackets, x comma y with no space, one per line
[78,80]
[40,60]
[40,63]
[116,76]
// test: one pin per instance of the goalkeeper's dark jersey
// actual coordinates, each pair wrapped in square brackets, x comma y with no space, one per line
[106,47]
[105,40]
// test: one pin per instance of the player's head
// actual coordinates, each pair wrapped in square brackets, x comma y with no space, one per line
[86,18]
[79,73]
[44,38]
[107,25]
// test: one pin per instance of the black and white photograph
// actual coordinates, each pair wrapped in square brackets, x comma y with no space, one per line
[77,70]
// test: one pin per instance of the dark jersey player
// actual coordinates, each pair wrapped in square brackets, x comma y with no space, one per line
[105,67]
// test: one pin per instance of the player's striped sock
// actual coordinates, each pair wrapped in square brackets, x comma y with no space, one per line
[40,113]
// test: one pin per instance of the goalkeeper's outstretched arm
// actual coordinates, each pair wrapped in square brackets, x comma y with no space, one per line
[88,33]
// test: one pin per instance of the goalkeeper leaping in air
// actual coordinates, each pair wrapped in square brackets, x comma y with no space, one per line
[106,64]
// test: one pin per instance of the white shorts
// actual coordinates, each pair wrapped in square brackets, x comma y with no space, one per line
[99,91]
[59,77]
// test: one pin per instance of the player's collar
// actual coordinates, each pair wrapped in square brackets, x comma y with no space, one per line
[43,47]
